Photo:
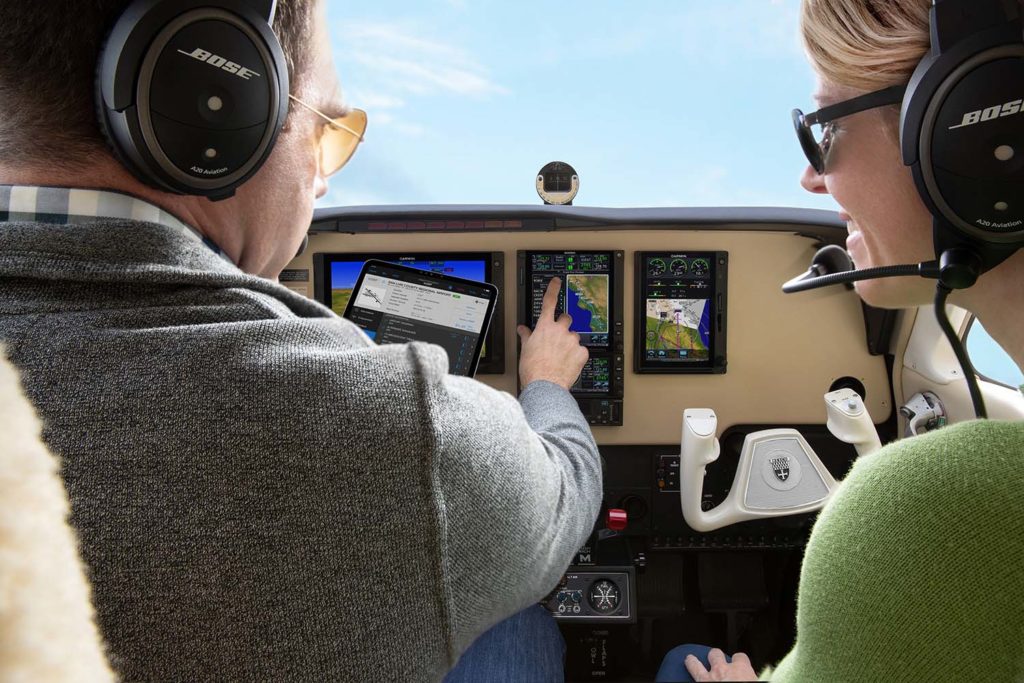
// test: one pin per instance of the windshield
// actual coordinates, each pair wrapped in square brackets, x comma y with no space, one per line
[654,103]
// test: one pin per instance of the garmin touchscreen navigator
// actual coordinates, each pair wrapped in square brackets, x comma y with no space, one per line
[591,294]
[681,311]
[335,276]
[397,304]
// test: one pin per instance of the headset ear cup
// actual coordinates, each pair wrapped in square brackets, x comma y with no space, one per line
[959,132]
[155,78]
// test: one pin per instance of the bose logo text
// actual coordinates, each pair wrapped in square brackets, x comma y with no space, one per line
[221,63]
[996,112]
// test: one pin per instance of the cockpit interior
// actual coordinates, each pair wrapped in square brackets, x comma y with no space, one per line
[682,311]
[242,485]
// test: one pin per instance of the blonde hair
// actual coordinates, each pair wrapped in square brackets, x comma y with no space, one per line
[865,44]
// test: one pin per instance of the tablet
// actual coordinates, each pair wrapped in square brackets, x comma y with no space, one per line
[396,304]
[335,275]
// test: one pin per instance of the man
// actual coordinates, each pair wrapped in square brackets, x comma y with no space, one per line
[261,493]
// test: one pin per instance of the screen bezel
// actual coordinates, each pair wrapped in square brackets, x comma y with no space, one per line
[717,362]
[614,350]
[438,278]
[492,362]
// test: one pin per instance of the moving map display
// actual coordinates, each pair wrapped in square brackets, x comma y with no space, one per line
[678,297]
[585,293]
[591,294]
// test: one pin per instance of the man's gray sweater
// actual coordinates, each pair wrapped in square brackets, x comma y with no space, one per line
[263,494]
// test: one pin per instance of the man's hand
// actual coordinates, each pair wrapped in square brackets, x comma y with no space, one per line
[721,670]
[551,352]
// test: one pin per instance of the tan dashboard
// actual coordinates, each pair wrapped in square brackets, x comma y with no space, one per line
[784,351]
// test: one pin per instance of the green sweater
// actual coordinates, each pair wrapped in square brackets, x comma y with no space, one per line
[915,569]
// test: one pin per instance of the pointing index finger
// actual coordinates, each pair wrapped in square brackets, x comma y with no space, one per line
[547,310]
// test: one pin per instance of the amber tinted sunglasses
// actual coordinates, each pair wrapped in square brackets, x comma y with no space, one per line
[340,138]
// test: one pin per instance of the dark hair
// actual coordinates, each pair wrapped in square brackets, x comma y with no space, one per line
[47,109]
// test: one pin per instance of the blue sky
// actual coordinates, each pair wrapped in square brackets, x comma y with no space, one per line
[654,102]
[989,358]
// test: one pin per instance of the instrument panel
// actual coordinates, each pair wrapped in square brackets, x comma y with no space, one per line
[783,351]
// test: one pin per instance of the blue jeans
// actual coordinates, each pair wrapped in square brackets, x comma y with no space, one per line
[672,667]
[526,647]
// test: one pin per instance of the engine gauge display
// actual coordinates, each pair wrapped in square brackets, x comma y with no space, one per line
[681,312]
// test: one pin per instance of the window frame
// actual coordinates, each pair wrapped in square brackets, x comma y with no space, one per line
[971,319]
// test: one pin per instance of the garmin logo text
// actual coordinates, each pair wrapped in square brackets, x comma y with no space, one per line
[220,63]
[996,112]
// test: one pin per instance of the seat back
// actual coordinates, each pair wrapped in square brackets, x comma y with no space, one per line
[47,627]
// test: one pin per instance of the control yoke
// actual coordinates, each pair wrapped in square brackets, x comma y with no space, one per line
[779,474]
[848,420]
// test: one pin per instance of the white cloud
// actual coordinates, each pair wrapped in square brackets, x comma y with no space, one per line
[383,118]
[721,32]
[401,62]
[403,66]
[741,29]
[412,130]
[716,185]
[376,100]
[415,76]
[343,196]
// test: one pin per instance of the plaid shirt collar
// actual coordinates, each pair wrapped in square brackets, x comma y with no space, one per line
[67,206]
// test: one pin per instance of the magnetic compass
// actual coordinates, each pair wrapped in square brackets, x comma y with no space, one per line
[558,183]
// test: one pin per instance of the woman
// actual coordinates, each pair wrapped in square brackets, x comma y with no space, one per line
[915,570]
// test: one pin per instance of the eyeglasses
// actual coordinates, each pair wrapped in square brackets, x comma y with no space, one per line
[817,151]
[340,138]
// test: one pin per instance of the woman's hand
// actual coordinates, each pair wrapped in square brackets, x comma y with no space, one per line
[721,670]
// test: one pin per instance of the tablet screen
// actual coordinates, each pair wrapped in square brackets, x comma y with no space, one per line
[397,304]
[335,276]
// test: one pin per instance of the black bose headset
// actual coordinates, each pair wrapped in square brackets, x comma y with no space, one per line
[192,94]
[962,135]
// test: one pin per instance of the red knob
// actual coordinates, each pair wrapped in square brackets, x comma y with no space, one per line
[617,519]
